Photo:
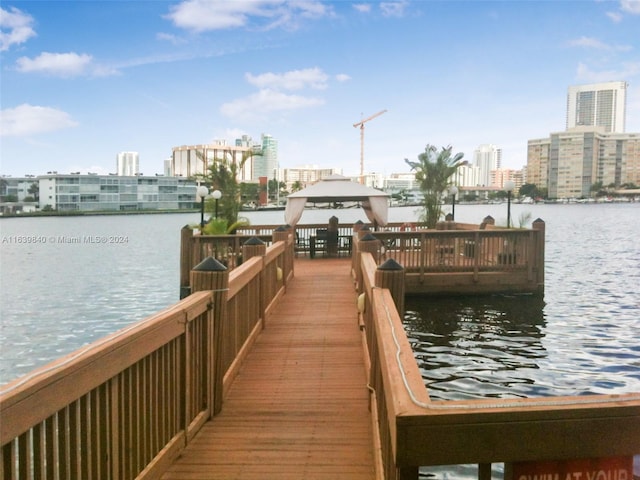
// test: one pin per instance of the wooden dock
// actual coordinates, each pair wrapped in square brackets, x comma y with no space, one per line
[299,407]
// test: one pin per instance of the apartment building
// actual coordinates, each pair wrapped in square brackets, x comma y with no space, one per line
[76,192]
[569,163]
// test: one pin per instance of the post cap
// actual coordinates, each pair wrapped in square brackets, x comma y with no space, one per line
[210,264]
[390,264]
[254,241]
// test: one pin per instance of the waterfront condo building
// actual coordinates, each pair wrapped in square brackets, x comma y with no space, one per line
[85,193]
[266,164]
[568,163]
[597,105]
[128,164]
[486,158]
[253,159]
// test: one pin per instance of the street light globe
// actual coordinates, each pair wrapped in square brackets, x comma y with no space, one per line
[201,192]
[216,194]
[453,190]
[509,185]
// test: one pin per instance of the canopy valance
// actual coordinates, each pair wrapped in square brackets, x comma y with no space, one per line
[337,188]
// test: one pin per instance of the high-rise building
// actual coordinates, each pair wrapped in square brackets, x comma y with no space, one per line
[597,105]
[128,164]
[192,160]
[569,163]
[266,165]
[486,157]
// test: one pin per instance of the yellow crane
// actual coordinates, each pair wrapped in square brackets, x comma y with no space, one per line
[361,125]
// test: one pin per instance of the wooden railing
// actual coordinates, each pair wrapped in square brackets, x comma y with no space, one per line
[124,407]
[414,431]
[465,259]
[228,248]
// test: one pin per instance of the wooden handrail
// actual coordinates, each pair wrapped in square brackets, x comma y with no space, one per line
[465,261]
[125,406]
[415,431]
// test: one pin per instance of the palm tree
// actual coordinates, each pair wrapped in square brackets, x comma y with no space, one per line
[297,185]
[433,172]
[222,175]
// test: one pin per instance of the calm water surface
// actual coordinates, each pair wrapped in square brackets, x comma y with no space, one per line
[56,296]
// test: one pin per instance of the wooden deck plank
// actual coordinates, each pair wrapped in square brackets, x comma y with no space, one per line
[298,408]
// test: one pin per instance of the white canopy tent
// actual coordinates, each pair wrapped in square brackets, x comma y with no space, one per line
[337,188]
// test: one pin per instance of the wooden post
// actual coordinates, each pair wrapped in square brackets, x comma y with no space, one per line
[540,226]
[367,244]
[363,230]
[488,220]
[186,246]
[282,234]
[390,275]
[332,237]
[210,274]
[254,247]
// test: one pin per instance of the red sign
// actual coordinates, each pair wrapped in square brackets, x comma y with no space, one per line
[614,468]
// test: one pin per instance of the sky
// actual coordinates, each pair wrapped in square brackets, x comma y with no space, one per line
[82,81]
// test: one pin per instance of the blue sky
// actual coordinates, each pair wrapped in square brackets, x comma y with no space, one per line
[84,80]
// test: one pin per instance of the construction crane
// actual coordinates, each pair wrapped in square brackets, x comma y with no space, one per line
[361,125]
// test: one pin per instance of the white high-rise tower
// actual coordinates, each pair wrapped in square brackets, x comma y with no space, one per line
[128,164]
[598,105]
[486,158]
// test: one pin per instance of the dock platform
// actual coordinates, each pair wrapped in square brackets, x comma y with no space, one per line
[299,406]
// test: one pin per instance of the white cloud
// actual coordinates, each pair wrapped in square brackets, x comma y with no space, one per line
[266,101]
[58,64]
[587,75]
[205,15]
[168,37]
[25,120]
[615,17]
[293,80]
[362,7]
[594,43]
[15,28]
[630,6]
[394,9]
[343,77]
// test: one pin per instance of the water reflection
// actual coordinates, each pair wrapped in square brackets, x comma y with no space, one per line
[478,347]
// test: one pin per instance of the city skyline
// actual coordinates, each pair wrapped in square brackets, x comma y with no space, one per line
[150,76]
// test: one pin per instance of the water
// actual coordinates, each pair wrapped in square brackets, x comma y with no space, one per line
[56,296]
[582,338]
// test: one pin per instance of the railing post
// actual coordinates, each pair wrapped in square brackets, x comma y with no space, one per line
[186,246]
[210,274]
[254,247]
[367,244]
[488,220]
[390,275]
[282,234]
[540,226]
[484,471]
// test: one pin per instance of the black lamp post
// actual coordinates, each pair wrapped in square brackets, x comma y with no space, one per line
[509,186]
[216,194]
[454,191]
[201,194]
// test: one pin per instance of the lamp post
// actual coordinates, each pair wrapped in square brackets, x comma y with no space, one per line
[216,194]
[509,186]
[453,191]
[201,194]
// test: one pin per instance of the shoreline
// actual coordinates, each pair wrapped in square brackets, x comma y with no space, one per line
[280,208]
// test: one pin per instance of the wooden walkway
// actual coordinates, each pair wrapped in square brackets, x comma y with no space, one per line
[299,407]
